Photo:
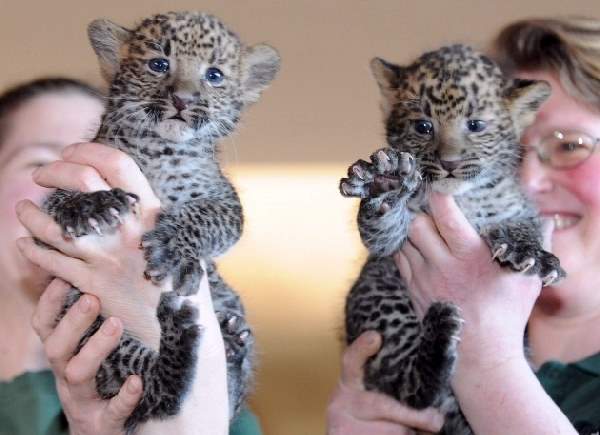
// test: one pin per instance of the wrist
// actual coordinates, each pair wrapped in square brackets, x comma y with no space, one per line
[487,344]
[489,380]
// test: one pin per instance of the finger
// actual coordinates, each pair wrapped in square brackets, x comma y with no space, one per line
[346,425]
[61,344]
[355,357]
[425,237]
[376,406]
[122,405]
[49,307]
[80,371]
[56,263]
[414,257]
[69,176]
[43,227]
[403,266]
[453,226]
[205,302]
[116,167]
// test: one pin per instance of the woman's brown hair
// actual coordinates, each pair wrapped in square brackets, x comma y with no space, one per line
[567,47]
[15,97]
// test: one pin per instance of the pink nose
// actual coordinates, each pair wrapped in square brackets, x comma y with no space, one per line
[178,103]
[450,165]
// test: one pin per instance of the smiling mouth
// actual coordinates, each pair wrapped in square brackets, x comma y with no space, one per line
[562,221]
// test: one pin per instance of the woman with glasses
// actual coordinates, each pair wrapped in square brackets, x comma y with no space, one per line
[447,260]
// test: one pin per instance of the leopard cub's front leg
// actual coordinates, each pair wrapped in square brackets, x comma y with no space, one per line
[518,246]
[169,252]
[82,213]
[385,186]
[185,233]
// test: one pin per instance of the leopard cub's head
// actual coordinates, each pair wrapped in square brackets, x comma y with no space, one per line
[180,75]
[456,112]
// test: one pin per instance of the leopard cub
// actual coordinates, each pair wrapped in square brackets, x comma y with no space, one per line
[453,123]
[178,83]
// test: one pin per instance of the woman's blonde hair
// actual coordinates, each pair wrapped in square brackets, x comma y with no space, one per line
[567,47]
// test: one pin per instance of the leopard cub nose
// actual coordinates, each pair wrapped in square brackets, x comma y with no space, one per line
[178,103]
[450,165]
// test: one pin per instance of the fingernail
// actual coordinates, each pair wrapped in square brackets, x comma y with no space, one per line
[371,338]
[68,151]
[110,326]
[84,304]
[436,418]
[134,385]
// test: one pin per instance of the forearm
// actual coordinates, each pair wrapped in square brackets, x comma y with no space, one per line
[507,398]
[137,311]
[206,407]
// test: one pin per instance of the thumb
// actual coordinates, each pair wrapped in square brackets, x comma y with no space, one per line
[355,357]
[122,405]
[453,226]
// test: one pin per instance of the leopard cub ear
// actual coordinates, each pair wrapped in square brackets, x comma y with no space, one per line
[260,63]
[389,77]
[107,38]
[524,98]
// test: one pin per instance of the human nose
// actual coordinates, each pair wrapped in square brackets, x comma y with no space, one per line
[535,176]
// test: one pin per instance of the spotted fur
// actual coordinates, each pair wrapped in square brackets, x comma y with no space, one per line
[169,121]
[453,123]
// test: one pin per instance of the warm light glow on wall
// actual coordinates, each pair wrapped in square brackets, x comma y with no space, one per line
[297,258]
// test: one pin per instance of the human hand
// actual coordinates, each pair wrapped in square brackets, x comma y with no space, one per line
[110,267]
[354,411]
[445,259]
[86,412]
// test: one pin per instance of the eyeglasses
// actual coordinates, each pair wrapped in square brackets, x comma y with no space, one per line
[565,150]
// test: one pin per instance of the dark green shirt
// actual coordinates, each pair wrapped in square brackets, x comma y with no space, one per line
[575,388]
[29,405]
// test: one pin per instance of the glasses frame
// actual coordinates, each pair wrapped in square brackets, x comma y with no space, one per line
[546,159]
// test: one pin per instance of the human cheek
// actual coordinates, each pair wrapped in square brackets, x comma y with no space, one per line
[14,191]
[578,247]
[584,182]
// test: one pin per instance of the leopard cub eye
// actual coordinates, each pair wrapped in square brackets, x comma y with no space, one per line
[214,76]
[422,126]
[476,125]
[159,65]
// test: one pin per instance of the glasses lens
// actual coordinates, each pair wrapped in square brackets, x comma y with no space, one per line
[564,150]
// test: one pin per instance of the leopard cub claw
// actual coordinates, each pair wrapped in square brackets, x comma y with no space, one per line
[83,213]
[236,334]
[550,278]
[389,170]
[524,256]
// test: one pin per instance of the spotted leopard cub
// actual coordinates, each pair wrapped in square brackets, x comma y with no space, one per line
[178,83]
[453,123]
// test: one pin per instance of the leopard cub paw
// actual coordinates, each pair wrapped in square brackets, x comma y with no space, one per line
[526,257]
[83,213]
[389,170]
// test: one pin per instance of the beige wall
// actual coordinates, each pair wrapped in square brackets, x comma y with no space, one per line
[300,250]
